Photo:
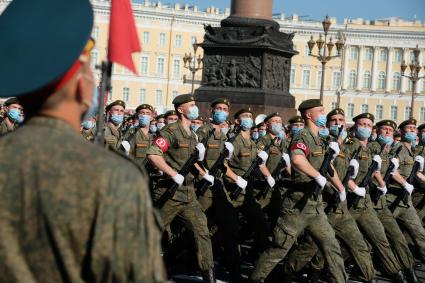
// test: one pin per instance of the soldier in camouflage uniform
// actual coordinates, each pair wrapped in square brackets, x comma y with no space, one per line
[88,129]
[13,111]
[115,117]
[345,227]
[171,117]
[160,121]
[300,210]
[364,213]
[70,211]
[418,195]
[169,152]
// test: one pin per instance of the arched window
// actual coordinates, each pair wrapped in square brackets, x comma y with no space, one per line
[366,80]
[352,79]
[381,80]
[396,81]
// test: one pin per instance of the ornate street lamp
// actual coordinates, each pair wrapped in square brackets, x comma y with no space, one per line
[191,65]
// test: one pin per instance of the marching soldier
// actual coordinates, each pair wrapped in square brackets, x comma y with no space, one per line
[115,117]
[160,121]
[70,211]
[168,153]
[418,195]
[12,117]
[88,129]
[296,124]
[171,117]
[300,210]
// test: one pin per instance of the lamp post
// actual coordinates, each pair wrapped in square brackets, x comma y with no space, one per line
[322,56]
[190,64]
[415,69]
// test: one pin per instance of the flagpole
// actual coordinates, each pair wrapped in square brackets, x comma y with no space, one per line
[105,87]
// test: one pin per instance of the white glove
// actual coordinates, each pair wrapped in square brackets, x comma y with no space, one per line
[378,160]
[383,189]
[126,146]
[355,164]
[408,187]
[420,159]
[263,155]
[342,196]
[229,148]
[271,181]
[287,159]
[201,151]
[209,178]
[241,182]
[320,180]
[360,191]
[396,165]
[335,147]
[178,179]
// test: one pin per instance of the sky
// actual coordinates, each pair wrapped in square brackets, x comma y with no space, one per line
[318,9]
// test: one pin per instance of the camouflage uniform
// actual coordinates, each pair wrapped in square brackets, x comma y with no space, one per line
[301,212]
[418,195]
[89,134]
[113,137]
[66,220]
[4,129]
[139,144]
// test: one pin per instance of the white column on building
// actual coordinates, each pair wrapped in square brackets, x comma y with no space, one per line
[403,84]
[345,68]
[374,67]
[360,68]
[389,69]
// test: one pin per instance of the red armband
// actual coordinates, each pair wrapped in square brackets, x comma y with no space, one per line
[300,146]
[162,143]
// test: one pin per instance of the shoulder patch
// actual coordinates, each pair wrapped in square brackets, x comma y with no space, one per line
[161,143]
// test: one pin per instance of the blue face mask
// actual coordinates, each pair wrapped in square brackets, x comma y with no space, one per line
[281,135]
[414,143]
[144,120]
[255,136]
[194,127]
[276,128]
[262,133]
[153,128]
[224,131]
[193,113]
[87,124]
[21,119]
[363,133]
[160,125]
[117,119]
[321,120]
[410,137]
[220,116]
[92,111]
[247,123]
[385,140]
[343,134]
[323,132]
[334,129]
[296,130]
[14,114]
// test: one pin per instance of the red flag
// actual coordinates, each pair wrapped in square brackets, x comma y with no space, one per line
[123,39]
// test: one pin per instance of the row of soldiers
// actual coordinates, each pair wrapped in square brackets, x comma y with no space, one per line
[316,183]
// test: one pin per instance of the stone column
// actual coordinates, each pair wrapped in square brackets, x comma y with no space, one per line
[403,80]
[389,74]
[374,67]
[253,9]
[360,68]
[345,70]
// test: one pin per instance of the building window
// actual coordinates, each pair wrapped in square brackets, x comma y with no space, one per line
[383,55]
[333,106]
[125,94]
[306,78]
[162,39]
[407,112]
[306,51]
[145,38]
[422,114]
[367,80]
[93,59]
[396,81]
[292,76]
[144,62]
[397,56]
[365,108]
[160,66]
[95,33]
[381,80]
[379,112]
[176,68]
[175,93]
[178,40]
[394,110]
[193,39]
[411,56]
[352,79]
[336,80]
[350,110]
[354,53]
[158,99]
[142,98]
[410,85]
[368,55]
[319,78]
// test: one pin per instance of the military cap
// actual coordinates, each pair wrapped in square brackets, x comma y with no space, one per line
[116,102]
[160,116]
[421,126]
[364,115]
[241,111]
[268,117]
[144,106]
[407,122]
[336,111]
[169,113]
[309,103]
[220,101]
[42,43]
[296,119]
[390,123]
[11,101]
[184,98]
